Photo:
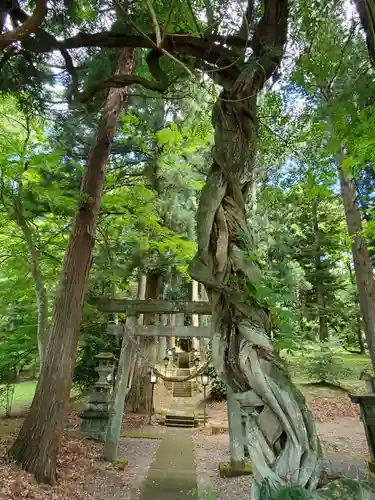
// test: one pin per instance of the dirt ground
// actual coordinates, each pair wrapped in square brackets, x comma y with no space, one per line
[83,475]
[340,429]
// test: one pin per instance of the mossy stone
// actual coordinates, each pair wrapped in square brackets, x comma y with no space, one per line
[120,463]
[227,470]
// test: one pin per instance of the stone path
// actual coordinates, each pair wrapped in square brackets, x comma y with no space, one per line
[172,475]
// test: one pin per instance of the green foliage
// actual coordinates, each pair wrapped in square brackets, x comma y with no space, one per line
[321,364]
[218,388]
[269,492]
[94,339]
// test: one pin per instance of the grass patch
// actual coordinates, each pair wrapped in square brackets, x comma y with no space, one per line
[24,392]
[356,363]
[23,396]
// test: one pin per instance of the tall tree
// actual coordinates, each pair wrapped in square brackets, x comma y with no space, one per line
[327,78]
[242,351]
[37,443]
[366,11]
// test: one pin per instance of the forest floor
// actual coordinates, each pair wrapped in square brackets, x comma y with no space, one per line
[83,475]
[341,432]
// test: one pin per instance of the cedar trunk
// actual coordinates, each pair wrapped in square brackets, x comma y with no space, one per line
[36,445]
[139,397]
[361,258]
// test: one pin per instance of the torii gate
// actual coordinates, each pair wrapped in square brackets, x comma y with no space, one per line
[133,308]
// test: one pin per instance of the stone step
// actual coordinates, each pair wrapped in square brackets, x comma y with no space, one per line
[179,417]
[182,425]
[201,418]
[180,420]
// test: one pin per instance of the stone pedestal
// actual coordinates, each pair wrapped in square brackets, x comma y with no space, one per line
[95,416]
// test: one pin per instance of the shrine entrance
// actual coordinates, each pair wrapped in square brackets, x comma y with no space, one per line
[185,344]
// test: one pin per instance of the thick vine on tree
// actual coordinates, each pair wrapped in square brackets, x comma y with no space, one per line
[282,438]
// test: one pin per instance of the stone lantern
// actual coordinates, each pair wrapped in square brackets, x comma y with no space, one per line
[95,416]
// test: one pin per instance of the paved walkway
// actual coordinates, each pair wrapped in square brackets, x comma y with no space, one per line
[172,475]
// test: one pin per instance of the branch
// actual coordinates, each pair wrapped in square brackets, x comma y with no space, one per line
[269,39]
[155,23]
[183,44]
[28,27]
[159,40]
[247,18]
[350,36]
[160,84]
[17,14]
[209,14]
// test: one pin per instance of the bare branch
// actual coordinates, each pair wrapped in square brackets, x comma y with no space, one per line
[155,23]
[28,27]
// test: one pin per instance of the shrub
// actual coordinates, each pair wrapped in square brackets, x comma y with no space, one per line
[218,388]
[322,365]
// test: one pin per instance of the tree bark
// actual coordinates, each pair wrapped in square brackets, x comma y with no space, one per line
[282,439]
[195,317]
[319,285]
[119,394]
[366,11]
[139,397]
[361,258]
[360,334]
[36,445]
[40,289]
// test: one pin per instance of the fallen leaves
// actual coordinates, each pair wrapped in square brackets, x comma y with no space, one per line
[79,461]
[329,404]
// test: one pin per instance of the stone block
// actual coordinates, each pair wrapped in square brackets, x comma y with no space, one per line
[227,470]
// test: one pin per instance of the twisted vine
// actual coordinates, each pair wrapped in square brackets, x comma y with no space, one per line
[281,435]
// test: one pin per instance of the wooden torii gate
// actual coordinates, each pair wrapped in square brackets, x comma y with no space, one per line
[134,308]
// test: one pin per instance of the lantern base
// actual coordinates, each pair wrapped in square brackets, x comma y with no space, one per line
[226,469]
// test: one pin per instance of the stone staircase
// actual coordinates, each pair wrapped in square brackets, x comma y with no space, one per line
[199,419]
[182,389]
[179,414]
[183,421]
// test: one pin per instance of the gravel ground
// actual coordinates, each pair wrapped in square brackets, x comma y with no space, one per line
[209,451]
[344,444]
[107,485]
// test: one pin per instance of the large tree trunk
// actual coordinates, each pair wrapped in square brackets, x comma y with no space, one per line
[361,258]
[366,11]
[319,285]
[281,436]
[360,334]
[37,443]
